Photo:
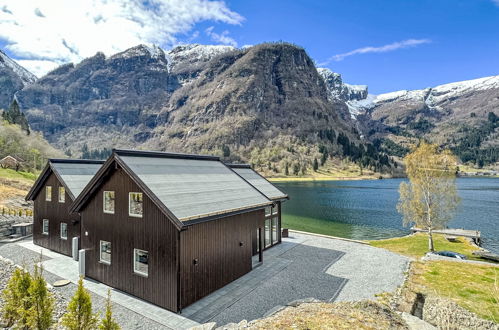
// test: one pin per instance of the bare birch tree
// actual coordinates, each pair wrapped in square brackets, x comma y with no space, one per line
[429,200]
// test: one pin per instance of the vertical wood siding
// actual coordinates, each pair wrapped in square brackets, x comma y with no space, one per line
[153,233]
[220,258]
[56,213]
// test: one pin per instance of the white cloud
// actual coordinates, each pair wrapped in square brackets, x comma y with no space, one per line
[59,31]
[222,38]
[381,49]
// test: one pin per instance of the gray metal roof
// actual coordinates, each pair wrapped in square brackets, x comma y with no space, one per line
[260,183]
[194,188]
[75,175]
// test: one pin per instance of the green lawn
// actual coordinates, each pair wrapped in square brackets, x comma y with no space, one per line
[417,245]
[473,287]
[12,174]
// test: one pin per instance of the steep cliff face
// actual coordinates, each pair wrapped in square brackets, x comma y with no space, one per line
[259,104]
[13,78]
[262,96]
[101,98]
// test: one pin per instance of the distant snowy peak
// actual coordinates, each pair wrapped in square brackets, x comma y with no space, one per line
[193,53]
[26,76]
[141,50]
[340,90]
[440,93]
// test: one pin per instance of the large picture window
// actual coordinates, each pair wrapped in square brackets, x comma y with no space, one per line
[140,262]
[108,202]
[48,193]
[64,230]
[268,240]
[45,227]
[62,194]
[105,252]
[135,204]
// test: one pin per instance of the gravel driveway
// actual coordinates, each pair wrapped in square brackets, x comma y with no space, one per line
[313,267]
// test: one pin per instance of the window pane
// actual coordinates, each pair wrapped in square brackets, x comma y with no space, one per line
[105,252]
[108,201]
[48,193]
[274,229]
[268,242]
[45,227]
[62,194]
[64,230]
[141,262]
[268,210]
[258,240]
[275,209]
[135,204]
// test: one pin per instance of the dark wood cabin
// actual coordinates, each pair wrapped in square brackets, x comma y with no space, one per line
[168,228]
[272,228]
[58,185]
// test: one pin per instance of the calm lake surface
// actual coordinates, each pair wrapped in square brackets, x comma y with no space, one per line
[366,210]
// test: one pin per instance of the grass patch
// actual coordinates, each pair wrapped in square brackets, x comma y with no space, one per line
[473,287]
[11,174]
[417,245]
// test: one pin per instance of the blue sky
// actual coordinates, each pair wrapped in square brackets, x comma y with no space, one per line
[415,43]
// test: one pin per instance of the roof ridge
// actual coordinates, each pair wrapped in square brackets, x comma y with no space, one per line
[75,161]
[162,154]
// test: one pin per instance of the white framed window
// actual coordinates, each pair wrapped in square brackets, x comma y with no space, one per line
[108,202]
[105,252]
[141,262]
[135,204]
[45,227]
[62,194]
[64,230]
[48,193]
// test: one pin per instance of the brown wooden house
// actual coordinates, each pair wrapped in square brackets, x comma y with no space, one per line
[272,233]
[169,228]
[58,185]
[12,162]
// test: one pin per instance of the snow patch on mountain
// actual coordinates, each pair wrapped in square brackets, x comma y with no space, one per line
[26,76]
[193,53]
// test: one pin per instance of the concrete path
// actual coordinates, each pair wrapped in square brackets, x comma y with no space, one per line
[66,268]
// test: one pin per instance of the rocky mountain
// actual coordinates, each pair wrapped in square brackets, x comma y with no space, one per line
[265,104]
[13,78]
[460,115]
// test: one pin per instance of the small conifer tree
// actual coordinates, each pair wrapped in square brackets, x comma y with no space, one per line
[79,314]
[108,322]
[39,315]
[316,165]
[15,296]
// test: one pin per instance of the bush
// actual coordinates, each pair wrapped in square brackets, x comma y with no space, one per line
[15,297]
[42,302]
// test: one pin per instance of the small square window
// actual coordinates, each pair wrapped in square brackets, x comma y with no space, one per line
[45,227]
[135,204]
[109,202]
[62,194]
[105,252]
[140,262]
[64,230]
[48,193]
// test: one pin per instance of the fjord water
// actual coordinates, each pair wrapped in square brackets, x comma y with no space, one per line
[366,210]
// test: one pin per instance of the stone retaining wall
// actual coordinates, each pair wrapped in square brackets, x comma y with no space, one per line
[6,222]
